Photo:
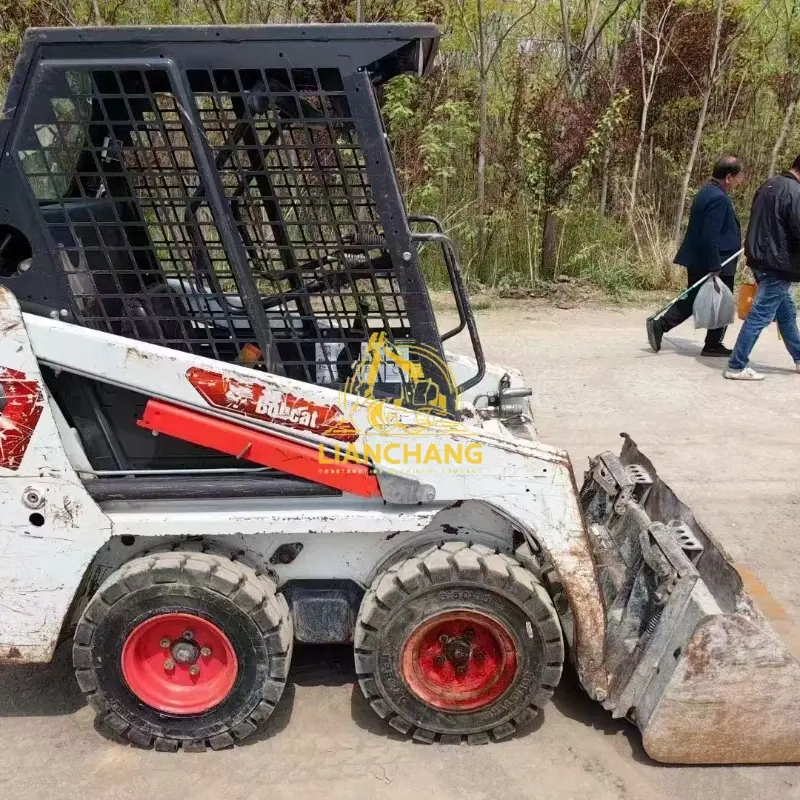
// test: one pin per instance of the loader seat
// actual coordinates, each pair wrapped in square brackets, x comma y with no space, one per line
[187,317]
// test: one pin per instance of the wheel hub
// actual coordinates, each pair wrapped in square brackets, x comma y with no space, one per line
[179,663]
[185,652]
[460,660]
[457,651]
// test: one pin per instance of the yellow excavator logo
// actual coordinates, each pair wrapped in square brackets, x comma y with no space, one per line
[422,379]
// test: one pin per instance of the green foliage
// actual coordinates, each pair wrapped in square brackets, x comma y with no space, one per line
[400,98]
[609,123]
[603,251]
[450,130]
[555,142]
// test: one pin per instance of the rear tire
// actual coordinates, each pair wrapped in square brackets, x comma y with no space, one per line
[230,666]
[458,642]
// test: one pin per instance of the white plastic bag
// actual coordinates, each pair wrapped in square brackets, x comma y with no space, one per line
[714,306]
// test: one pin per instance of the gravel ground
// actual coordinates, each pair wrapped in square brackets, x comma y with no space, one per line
[729,449]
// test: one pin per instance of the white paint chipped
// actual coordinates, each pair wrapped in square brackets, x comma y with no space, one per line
[528,483]
[40,566]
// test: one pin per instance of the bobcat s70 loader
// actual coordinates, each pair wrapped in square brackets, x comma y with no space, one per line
[228,422]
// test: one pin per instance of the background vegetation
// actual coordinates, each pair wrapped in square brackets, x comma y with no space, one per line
[553,137]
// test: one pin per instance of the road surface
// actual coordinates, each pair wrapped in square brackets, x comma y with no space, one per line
[731,449]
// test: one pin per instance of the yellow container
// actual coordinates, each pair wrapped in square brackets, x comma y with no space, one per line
[747,293]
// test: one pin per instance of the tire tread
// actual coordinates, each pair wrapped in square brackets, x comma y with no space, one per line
[254,594]
[456,561]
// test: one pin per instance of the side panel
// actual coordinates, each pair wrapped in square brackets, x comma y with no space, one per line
[334,538]
[530,484]
[50,528]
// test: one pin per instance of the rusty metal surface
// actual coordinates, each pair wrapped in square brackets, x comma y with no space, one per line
[733,698]
[577,571]
[692,660]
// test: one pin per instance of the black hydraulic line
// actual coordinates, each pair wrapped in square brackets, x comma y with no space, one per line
[201,487]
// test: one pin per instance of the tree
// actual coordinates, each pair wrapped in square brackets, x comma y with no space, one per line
[486,37]
[710,82]
[545,124]
[790,14]
[722,57]
[659,33]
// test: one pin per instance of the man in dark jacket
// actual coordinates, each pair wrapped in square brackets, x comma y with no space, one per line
[773,253]
[712,237]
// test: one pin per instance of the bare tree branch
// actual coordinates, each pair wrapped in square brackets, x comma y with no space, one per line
[462,14]
[59,11]
[567,41]
[222,15]
[585,55]
[211,7]
[507,31]
[112,17]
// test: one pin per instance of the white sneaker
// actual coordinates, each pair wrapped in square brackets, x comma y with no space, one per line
[746,374]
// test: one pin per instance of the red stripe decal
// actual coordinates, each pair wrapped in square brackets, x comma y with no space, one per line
[21,404]
[260,447]
[271,405]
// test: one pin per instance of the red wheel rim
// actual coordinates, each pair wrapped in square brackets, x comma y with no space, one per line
[179,663]
[459,661]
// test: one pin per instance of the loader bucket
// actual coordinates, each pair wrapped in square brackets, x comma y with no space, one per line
[693,658]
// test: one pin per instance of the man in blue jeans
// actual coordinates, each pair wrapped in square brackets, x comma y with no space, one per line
[773,253]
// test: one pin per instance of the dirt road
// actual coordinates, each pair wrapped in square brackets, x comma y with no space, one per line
[732,450]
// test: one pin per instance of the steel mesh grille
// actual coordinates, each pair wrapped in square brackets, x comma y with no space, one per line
[110,156]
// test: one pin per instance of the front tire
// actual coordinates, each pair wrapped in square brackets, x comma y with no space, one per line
[185,650]
[458,642]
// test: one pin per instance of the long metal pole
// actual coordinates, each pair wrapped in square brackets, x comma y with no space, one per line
[662,311]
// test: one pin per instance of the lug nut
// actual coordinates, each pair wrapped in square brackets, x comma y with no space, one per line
[188,635]
[461,669]
[194,670]
[165,642]
[444,638]
[478,654]
[469,634]
[205,652]
[169,664]
[439,661]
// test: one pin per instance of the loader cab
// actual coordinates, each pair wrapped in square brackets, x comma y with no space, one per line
[225,192]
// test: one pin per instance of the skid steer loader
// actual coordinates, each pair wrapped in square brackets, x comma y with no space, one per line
[228,422]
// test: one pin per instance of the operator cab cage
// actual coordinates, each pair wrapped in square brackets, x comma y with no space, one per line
[226,191]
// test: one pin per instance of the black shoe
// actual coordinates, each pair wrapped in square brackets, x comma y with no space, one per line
[655,333]
[717,351]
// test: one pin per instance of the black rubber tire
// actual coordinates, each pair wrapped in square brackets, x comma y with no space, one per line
[457,576]
[245,606]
